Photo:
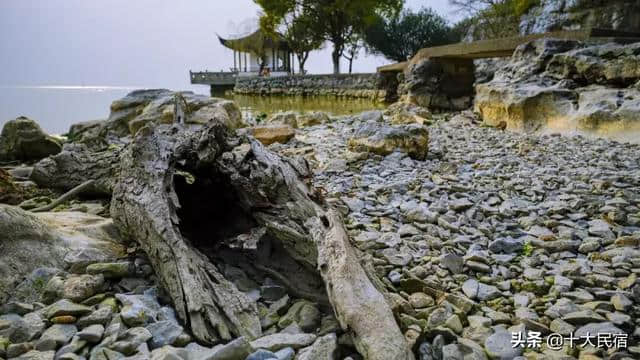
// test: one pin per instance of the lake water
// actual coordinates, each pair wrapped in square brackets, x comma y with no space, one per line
[56,108]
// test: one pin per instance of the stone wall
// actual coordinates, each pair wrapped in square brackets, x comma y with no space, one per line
[368,86]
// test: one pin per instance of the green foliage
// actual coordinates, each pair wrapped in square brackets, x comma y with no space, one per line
[296,26]
[495,18]
[261,118]
[400,37]
[332,20]
[460,29]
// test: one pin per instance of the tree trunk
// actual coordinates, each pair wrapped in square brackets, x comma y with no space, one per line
[302,59]
[186,196]
[350,65]
[335,57]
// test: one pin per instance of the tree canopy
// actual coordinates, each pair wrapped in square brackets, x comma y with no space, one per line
[495,18]
[336,21]
[400,37]
[297,28]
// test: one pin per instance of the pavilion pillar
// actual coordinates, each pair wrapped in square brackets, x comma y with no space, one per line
[234,61]
[245,62]
[293,63]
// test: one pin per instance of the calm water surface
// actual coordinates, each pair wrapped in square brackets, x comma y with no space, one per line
[56,108]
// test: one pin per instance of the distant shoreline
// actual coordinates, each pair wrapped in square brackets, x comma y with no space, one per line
[73,87]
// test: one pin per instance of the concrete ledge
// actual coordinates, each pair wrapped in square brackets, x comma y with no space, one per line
[504,47]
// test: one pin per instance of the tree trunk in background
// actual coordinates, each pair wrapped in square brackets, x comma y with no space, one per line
[335,57]
[302,59]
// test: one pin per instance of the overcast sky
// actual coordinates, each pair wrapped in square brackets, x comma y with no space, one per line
[146,43]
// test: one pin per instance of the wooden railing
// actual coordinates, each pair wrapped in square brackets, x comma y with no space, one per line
[213,78]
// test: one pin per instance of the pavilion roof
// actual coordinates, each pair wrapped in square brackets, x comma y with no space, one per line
[255,42]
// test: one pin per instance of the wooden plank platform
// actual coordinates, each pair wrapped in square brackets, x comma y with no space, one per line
[504,47]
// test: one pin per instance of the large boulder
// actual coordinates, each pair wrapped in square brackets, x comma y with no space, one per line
[382,139]
[269,134]
[89,133]
[22,139]
[10,193]
[433,83]
[406,113]
[284,118]
[141,107]
[154,106]
[49,240]
[312,118]
[560,85]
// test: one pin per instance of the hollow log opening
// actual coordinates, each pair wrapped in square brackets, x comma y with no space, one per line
[212,219]
[209,212]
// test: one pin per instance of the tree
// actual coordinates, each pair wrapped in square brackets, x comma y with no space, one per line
[297,29]
[334,20]
[400,37]
[352,49]
[495,18]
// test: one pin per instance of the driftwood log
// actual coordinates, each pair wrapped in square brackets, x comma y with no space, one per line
[76,165]
[183,195]
[76,191]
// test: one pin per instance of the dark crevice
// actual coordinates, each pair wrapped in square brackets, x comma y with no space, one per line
[210,212]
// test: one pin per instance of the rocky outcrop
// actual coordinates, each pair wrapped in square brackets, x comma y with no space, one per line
[140,107]
[381,139]
[49,240]
[10,193]
[156,106]
[444,84]
[553,15]
[560,85]
[22,139]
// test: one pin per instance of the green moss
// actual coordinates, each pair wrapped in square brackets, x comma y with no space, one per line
[38,285]
[521,7]
[527,249]
[113,147]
